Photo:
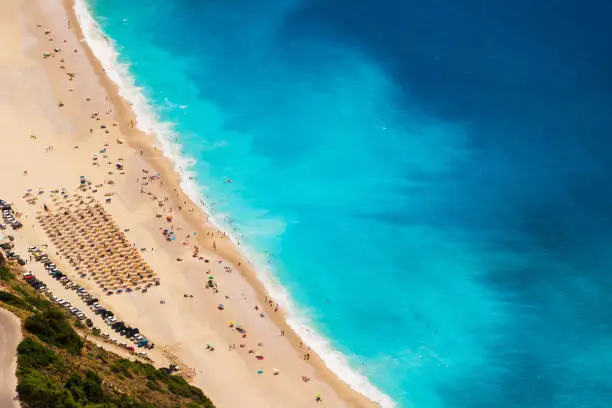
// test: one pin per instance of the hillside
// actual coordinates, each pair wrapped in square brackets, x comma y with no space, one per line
[59,369]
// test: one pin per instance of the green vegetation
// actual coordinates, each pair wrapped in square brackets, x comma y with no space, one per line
[38,390]
[21,296]
[32,354]
[13,300]
[57,369]
[51,326]
[5,274]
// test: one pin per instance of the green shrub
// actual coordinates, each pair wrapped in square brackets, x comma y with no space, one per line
[52,327]
[122,367]
[13,300]
[93,387]
[178,386]
[32,354]
[36,390]
[32,299]
[5,274]
[154,385]
[74,385]
[147,370]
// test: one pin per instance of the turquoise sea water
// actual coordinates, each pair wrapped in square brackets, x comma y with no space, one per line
[429,181]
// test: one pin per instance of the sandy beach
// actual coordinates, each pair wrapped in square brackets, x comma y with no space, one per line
[62,119]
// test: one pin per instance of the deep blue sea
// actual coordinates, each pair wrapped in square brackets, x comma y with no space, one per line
[431,181]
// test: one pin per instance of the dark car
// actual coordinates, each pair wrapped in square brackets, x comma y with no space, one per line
[89,323]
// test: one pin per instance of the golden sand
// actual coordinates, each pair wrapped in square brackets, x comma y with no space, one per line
[60,119]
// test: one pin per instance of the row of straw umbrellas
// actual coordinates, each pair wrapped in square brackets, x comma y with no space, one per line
[86,235]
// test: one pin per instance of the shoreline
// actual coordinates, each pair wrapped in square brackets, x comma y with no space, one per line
[138,140]
[159,159]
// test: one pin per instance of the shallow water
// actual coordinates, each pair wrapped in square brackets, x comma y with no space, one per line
[428,181]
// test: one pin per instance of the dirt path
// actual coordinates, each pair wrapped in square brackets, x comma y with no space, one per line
[10,336]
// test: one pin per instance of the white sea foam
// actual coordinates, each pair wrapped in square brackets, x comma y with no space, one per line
[148,121]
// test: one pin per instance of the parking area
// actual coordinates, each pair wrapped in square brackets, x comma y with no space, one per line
[45,276]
